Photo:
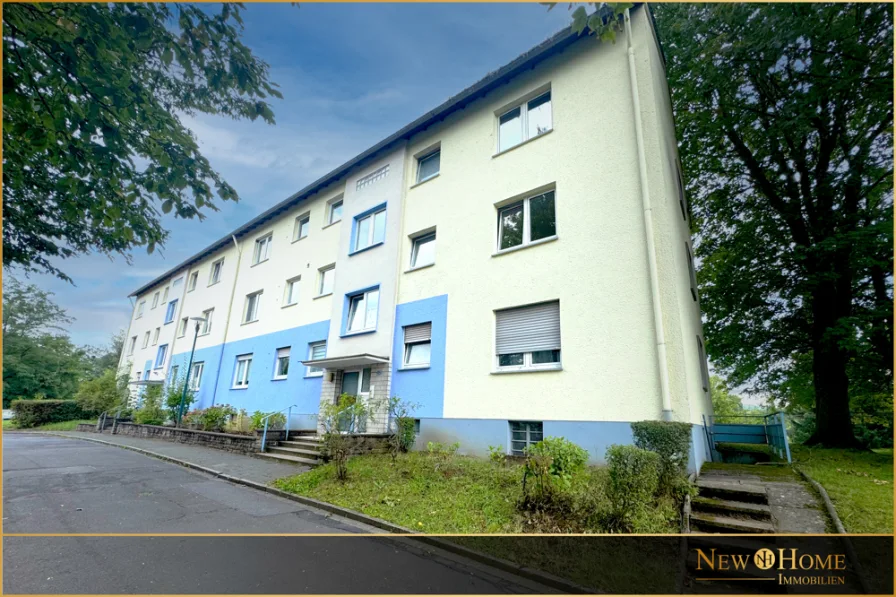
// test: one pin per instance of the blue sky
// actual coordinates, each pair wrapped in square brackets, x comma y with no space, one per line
[350,74]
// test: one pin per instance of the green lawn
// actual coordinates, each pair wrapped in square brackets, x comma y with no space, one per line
[859,482]
[62,426]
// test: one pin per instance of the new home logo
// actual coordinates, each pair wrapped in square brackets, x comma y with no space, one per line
[786,566]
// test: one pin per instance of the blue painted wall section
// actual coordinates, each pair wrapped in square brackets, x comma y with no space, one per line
[263,393]
[425,387]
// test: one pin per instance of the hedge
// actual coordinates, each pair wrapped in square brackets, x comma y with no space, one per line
[31,413]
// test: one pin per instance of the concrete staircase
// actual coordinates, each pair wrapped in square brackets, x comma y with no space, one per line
[724,506]
[303,447]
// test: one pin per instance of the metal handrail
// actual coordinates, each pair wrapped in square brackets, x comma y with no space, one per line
[264,436]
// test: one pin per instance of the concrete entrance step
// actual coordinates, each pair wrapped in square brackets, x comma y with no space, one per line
[733,491]
[714,523]
[720,506]
[306,444]
[291,451]
[293,459]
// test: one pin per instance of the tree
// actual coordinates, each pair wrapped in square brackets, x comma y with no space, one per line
[101,359]
[784,115]
[105,393]
[724,403]
[93,145]
[29,311]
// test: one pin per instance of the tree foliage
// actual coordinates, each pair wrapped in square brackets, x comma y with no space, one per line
[94,148]
[784,115]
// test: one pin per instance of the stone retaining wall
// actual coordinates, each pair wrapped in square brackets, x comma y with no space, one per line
[86,427]
[243,444]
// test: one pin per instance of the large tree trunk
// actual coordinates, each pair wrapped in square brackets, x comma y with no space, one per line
[831,302]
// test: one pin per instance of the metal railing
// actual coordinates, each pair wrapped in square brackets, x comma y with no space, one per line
[769,429]
[266,419]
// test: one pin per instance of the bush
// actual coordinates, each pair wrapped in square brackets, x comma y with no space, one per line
[548,472]
[151,411]
[275,421]
[498,455]
[174,391]
[672,442]
[213,418]
[107,393]
[31,413]
[338,419]
[402,433]
[634,476]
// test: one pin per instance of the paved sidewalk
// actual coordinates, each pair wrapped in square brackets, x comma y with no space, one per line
[260,470]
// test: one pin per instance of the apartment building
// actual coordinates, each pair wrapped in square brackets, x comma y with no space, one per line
[517,262]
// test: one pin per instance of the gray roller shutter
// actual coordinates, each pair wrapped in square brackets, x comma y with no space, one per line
[528,329]
[421,332]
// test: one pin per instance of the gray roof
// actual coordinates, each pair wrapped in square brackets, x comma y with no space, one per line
[553,45]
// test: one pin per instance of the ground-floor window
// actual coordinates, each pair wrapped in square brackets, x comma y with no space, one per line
[523,434]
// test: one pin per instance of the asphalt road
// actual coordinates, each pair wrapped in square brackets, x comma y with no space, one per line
[65,486]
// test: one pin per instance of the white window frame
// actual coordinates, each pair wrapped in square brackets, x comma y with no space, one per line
[155,336]
[207,324]
[320,279]
[407,353]
[427,156]
[193,281]
[196,375]
[527,222]
[331,209]
[528,365]
[278,356]
[161,353]
[172,373]
[262,250]
[182,327]
[171,311]
[146,339]
[132,346]
[256,304]
[291,292]
[524,120]
[140,309]
[415,245]
[356,246]
[315,371]
[529,432]
[155,301]
[242,382]
[304,219]
[362,296]
[217,269]
[165,295]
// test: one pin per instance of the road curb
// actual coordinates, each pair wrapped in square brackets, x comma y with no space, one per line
[544,578]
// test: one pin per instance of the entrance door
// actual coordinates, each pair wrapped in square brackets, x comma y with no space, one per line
[357,383]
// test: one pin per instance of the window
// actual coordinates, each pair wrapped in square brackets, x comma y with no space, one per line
[165,295]
[335,212]
[155,301]
[302,226]
[524,122]
[145,339]
[682,199]
[316,351]
[177,283]
[281,363]
[524,434]
[691,271]
[155,336]
[172,310]
[207,324]
[262,249]
[375,176]
[194,279]
[196,375]
[370,229]
[423,251]
[417,343]
[428,165]
[252,302]
[526,221]
[362,310]
[172,373]
[326,280]
[214,275]
[291,292]
[704,368]
[528,337]
[241,371]
[140,308]
[182,328]
[132,345]
[160,355]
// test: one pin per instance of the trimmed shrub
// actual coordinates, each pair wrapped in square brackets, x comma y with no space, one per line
[151,412]
[672,442]
[31,413]
[550,467]
[634,476]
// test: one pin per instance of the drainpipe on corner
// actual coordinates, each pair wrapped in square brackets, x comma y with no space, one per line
[239,257]
[648,228]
